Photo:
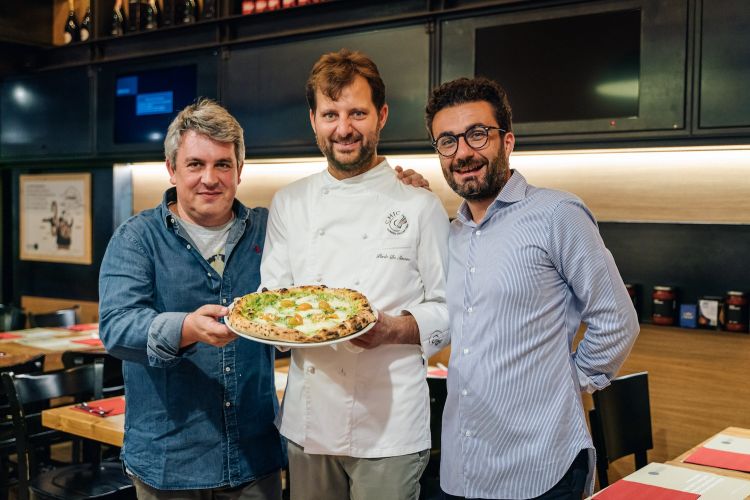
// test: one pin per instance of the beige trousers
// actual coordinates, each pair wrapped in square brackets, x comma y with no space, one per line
[330,477]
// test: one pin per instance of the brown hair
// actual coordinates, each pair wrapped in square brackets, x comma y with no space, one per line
[465,90]
[336,70]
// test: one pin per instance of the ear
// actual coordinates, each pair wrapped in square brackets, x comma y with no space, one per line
[509,142]
[312,121]
[383,116]
[172,173]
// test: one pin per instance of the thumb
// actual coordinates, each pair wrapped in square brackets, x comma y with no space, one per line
[213,310]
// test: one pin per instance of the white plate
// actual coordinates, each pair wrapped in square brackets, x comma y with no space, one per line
[301,344]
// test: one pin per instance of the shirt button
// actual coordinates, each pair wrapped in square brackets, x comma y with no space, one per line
[227,369]
[172,220]
[188,247]
[463,393]
[467,434]
[466,350]
[472,269]
[208,274]
[470,309]
[311,370]
[224,300]
[227,404]
[321,232]
[479,232]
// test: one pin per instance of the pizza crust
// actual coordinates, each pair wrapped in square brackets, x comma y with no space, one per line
[245,323]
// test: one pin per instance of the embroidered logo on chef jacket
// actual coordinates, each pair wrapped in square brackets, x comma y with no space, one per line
[396,222]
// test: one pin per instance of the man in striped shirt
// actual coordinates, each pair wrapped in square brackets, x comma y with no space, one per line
[527,267]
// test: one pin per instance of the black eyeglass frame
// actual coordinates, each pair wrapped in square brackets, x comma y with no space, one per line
[486,129]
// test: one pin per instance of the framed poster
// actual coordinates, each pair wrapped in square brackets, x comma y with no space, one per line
[55,218]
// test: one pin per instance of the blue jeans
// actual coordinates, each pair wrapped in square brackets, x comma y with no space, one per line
[570,487]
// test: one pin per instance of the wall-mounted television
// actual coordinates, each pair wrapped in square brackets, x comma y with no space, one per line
[575,71]
[138,99]
[147,101]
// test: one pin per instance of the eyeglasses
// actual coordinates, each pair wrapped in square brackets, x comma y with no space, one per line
[476,137]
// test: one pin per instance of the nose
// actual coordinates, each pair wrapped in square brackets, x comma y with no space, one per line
[463,150]
[209,177]
[344,127]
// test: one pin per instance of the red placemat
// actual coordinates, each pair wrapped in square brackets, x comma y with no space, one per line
[628,490]
[95,342]
[8,335]
[103,407]
[719,458]
[84,326]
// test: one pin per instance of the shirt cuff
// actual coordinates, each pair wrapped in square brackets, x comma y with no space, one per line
[164,336]
[593,383]
[433,335]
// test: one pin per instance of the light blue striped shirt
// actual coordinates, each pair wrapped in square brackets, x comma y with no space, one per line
[519,285]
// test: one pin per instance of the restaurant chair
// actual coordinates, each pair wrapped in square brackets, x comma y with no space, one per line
[61,318]
[8,468]
[11,318]
[430,480]
[621,423]
[113,385]
[74,482]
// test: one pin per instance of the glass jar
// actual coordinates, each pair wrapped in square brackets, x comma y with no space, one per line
[736,312]
[664,310]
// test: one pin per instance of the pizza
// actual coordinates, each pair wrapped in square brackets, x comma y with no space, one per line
[304,314]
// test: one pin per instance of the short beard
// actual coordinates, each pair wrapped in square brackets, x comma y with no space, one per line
[363,159]
[474,190]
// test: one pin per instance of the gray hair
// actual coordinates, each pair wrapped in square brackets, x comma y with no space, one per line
[205,117]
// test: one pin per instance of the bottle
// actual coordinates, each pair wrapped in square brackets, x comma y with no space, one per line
[72,30]
[150,15]
[209,9]
[188,12]
[735,317]
[86,25]
[119,21]
[664,305]
[134,15]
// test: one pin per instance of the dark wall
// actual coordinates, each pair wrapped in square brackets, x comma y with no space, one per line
[71,281]
[697,259]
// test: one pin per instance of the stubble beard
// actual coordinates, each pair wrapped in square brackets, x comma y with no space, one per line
[475,188]
[363,158]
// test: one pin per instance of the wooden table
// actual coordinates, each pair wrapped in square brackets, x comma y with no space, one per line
[110,430]
[34,341]
[732,431]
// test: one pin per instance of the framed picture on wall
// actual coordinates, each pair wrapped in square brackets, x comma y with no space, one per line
[55,217]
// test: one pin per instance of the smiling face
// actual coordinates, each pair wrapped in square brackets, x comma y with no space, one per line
[206,175]
[348,129]
[475,175]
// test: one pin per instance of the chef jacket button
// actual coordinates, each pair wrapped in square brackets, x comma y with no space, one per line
[325,191]
[464,392]
[356,282]
[364,236]
[466,350]
[319,279]
[311,370]
[321,232]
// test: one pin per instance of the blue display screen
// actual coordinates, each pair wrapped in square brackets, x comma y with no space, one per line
[147,101]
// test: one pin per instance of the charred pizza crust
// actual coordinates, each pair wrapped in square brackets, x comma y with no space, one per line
[253,314]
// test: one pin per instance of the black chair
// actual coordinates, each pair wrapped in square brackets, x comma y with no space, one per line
[11,318]
[114,385]
[72,482]
[430,480]
[7,437]
[621,423]
[63,318]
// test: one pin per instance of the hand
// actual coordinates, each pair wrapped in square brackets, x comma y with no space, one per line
[389,330]
[411,178]
[202,325]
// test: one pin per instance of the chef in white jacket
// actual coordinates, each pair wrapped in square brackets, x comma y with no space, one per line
[356,415]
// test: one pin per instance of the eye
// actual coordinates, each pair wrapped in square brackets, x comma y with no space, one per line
[224,166]
[359,114]
[446,141]
[476,134]
[328,116]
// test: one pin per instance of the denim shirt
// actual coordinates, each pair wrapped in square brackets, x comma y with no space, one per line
[198,417]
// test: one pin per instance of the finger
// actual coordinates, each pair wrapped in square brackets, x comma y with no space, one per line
[212,310]
[399,170]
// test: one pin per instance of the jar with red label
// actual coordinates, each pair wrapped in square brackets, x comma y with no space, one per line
[736,312]
[664,311]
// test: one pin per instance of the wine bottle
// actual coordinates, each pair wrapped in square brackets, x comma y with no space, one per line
[188,12]
[167,12]
[150,15]
[119,20]
[86,25]
[72,30]
[209,9]
[134,15]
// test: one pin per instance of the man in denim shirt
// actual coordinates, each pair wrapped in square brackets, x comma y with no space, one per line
[200,406]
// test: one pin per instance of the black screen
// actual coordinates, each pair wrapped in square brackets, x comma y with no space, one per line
[574,68]
[147,101]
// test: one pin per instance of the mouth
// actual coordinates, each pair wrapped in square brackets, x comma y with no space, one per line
[347,145]
[210,194]
[462,172]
